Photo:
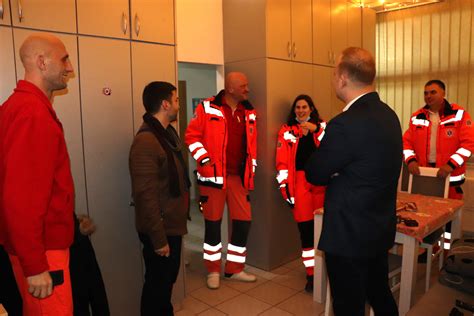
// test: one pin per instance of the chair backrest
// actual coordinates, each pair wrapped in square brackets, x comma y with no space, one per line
[403,179]
[428,184]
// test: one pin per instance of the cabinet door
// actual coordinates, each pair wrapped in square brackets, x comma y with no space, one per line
[279,29]
[150,62]
[280,94]
[67,105]
[302,79]
[5,13]
[55,15]
[338,27]
[153,20]
[107,122]
[301,30]
[103,18]
[368,30]
[7,66]
[322,90]
[322,53]
[354,26]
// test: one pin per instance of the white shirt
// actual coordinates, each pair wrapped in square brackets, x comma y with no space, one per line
[353,101]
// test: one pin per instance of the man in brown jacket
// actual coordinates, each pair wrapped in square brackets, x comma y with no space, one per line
[160,187]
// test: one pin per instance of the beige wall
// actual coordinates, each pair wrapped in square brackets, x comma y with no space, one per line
[423,43]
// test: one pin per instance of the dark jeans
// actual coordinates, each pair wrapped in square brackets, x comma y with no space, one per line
[9,295]
[357,280]
[160,275]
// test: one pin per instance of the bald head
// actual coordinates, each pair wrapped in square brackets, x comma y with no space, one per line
[358,64]
[236,86]
[46,62]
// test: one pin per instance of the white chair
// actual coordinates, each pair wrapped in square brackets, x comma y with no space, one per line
[394,269]
[428,184]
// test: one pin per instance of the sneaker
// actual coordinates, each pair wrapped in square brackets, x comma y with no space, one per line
[241,276]
[309,284]
[213,280]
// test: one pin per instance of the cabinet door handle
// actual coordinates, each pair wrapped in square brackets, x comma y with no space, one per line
[20,11]
[1,9]
[288,47]
[294,50]
[137,24]
[124,23]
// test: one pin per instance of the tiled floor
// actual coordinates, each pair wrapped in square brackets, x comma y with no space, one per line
[278,292]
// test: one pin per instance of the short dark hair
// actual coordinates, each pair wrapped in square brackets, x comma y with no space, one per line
[314,115]
[358,64]
[437,82]
[155,93]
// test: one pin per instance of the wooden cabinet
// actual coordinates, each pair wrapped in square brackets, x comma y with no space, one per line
[337,25]
[7,66]
[145,20]
[103,18]
[145,69]
[153,20]
[106,95]
[324,95]
[289,30]
[5,12]
[55,15]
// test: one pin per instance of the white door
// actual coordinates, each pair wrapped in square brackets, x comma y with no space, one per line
[68,108]
[108,133]
[52,15]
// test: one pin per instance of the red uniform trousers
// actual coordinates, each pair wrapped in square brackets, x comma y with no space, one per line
[212,202]
[308,198]
[59,303]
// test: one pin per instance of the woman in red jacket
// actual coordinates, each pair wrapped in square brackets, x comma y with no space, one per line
[297,140]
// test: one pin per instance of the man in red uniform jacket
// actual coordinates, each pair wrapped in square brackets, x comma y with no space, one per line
[222,138]
[36,186]
[440,135]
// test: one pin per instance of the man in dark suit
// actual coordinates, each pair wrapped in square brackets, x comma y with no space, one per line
[359,160]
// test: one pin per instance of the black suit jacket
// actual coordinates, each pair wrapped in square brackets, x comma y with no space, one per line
[359,160]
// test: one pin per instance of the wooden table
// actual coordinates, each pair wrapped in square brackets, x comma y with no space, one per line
[432,213]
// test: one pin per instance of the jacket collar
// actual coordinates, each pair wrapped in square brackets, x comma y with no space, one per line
[446,111]
[218,101]
[28,87]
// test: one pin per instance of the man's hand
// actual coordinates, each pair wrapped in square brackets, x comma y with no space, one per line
[308,127]
[414,168]
[444,171]
[40,285]
[163,252]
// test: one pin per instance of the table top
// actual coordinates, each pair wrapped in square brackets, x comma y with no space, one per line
[431,213]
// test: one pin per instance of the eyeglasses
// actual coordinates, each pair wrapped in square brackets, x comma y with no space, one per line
[407,221]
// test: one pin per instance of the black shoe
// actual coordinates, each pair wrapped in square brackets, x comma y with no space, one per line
[309,284]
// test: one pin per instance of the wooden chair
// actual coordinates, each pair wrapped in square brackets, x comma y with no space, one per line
[428,184]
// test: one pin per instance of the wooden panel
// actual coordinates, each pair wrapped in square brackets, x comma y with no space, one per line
[322,88]
[368,30]
[279,29]
[301,79]
[103,18]
[7,66]
[338,26]
[150,62]
[5,16]
[301,30]
[68,108]
[57,15]
[153,20]
[354,25]
[108,134]
[321,32]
